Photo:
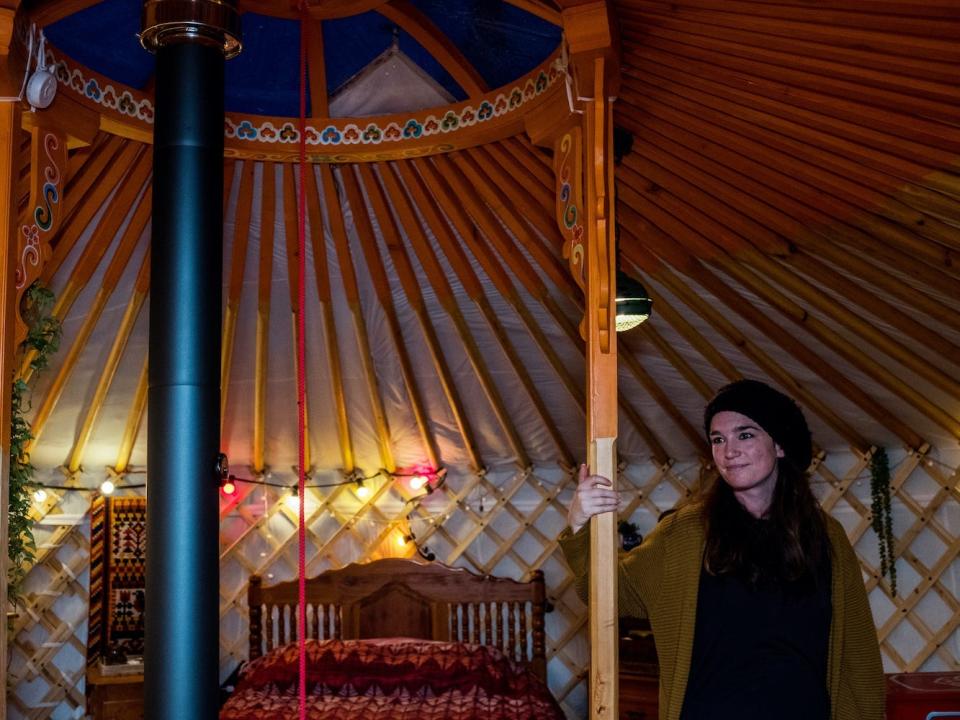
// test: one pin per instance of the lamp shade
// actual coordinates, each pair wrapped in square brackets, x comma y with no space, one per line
[633,303]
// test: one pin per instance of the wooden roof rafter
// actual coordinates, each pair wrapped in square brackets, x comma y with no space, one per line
[469,234]
[422,29]
[735,337]
[291,238]
[730,108]
[803,202]
[348,275]
[404,210]
[537,209]
[855,60]
[847,198]
[408,282]
[487,221]
[107,375]
[381,286]
[731,183]
[125,170]
[488,175]
[268,200]
[512,216]
[711,282]
[131,427]
[81,274]
[453,251]
[238,263]
[338,231]
[317,71]
[715,220]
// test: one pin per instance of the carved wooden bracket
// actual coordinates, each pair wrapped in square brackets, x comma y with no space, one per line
[48,161]
[568,174]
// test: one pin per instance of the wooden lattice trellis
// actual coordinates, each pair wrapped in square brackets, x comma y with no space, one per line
[48,636]
[518,515]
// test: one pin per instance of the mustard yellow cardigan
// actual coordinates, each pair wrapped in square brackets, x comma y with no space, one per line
[660,579]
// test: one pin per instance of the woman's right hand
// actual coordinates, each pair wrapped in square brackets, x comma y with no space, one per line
[594,495]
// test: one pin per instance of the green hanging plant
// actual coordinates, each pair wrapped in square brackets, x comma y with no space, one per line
[882,518]
[43,338]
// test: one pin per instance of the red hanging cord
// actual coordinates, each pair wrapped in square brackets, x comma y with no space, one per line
[301,366]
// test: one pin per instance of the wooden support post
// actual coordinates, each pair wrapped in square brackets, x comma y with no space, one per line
[601,395]
[10,114]
[9,122]
[590,247]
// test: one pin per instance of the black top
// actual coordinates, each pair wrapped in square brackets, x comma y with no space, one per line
[760,652]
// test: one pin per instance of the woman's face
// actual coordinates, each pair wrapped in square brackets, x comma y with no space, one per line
[746,457]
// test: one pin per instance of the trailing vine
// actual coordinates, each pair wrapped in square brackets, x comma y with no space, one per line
[43,339]
[882,521]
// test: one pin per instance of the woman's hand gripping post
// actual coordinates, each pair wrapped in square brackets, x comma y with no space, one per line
[594,495]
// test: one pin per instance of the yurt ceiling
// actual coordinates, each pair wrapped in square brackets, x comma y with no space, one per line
[790,200]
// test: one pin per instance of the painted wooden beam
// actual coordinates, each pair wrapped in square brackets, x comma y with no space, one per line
[9,132]
[422,29]
[432,206]
[262,337]
[391,177]
[411,288]
[129,169]
[291,238]
[121,256]
[381,285]
[335,218]
[238,263]
[543,10]
[335,211]
[131,429]
[317,71]
[600,253]
[793,345]
[721,324]
[127,322]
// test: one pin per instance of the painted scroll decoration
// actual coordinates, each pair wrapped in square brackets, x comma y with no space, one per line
[569,185]
[603,213]
[39,222]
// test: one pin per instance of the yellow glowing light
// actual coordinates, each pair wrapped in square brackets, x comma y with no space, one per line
[401,540]
[39,495]
[417,482]
[107,487]
[362,491]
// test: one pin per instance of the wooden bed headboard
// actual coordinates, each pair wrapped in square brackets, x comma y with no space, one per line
[397,597]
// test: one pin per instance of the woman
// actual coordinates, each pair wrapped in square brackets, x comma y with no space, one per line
[754,594]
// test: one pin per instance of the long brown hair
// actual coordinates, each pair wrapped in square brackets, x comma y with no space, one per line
[789,545]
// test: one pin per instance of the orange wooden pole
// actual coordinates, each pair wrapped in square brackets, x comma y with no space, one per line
[587,224]
[601,393]
[9,122]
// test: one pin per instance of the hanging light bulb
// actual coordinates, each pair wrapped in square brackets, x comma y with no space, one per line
[39,495]
[228,487]
[293,501]
[362,491]
[418,481]
[633,302]
[107,487]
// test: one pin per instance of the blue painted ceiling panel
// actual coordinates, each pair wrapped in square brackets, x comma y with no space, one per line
[501,41]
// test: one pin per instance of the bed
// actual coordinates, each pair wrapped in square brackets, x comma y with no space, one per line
[398,638]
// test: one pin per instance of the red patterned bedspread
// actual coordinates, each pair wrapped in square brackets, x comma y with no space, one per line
[399,679]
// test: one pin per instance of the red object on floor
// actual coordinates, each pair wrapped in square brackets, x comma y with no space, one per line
[914,696]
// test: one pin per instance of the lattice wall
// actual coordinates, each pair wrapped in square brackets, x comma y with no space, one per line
[504,523]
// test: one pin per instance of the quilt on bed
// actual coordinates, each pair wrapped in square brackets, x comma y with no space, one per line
[399,679]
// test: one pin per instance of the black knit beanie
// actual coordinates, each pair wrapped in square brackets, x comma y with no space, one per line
[773,411]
